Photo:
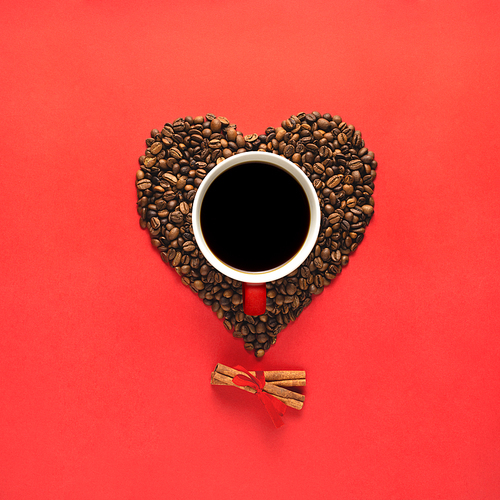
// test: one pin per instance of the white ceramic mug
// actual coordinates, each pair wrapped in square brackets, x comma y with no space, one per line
[254,289]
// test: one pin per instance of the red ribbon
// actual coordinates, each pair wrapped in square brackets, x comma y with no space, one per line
[274,406]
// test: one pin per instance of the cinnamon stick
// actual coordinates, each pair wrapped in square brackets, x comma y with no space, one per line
[223,375]
[285,378]
[300,382]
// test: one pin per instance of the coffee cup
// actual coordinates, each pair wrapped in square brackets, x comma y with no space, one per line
[256,217]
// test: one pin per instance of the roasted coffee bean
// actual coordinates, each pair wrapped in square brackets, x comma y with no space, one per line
[342,138]
[155,223]
[325,152]
[176,218]
[319,168]
[216,125]
[318,262]
[323,124]
[367,209]
[143,184]
[173,234]
[184,208]
[156,147]
[170,178]
[177,259]
[334,219]
[334,181]
[289,151]
[262,338]
[185,269]
[251,137]
[199,285]
[188,246]
[215,144]
[355,164]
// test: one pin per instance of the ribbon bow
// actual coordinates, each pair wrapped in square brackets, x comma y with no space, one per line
[274,406]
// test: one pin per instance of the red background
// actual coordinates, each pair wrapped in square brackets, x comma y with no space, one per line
[105,357]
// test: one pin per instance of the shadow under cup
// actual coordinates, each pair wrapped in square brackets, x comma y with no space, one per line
[256,218]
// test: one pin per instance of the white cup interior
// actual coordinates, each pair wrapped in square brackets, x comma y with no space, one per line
[312,234]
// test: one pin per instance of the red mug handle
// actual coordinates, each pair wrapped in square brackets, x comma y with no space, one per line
[254,298]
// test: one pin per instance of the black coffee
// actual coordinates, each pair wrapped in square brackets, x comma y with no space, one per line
[255,216]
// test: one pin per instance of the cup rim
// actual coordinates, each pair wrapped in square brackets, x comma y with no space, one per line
[314,209]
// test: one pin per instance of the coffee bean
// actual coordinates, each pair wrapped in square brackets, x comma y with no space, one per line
[199,285]
[355,164]
[173,234]
[188,246]
[181,183]
[342,138]
[215,144]
[318,262]
[176,218]
[177,259]
[334,181]
[231,134]
[215,125]
[143,184]
[155,223]
[175,153]
[334,219]
[262,338]
[319,168]
[185,269]
[323,124]
[319,281]
[289,151]
[351,202]
[156,147]
[170,178]
[325,152]
[367,209]
[184,208]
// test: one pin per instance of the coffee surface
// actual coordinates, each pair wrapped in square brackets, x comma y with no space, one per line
[255,217]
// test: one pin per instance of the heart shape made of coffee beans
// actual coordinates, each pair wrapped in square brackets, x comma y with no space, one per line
[330,152]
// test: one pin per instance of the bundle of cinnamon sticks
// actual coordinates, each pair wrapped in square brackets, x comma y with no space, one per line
[276,383]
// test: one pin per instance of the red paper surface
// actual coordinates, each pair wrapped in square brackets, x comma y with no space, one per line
[105,357]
